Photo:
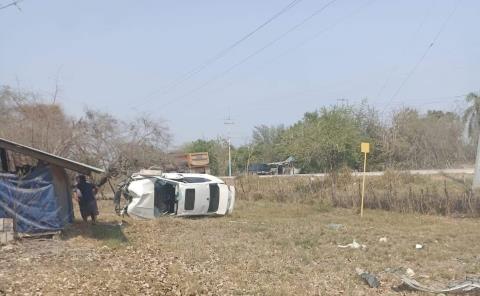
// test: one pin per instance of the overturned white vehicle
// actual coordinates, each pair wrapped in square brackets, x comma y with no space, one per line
[152,194]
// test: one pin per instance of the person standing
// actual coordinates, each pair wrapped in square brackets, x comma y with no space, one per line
[84,193]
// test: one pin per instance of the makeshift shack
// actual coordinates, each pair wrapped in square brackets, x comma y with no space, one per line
[285,167]
[36,195]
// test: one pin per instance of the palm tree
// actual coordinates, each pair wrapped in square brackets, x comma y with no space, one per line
[471,117]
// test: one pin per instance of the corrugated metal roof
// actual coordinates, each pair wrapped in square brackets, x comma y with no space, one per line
[49,158]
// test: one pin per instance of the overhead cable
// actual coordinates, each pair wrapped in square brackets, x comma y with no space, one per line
[423,56]
[194,71]
[253,54]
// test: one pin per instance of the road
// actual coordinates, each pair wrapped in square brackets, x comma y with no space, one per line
[468,171]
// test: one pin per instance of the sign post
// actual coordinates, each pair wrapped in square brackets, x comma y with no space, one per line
[365,148]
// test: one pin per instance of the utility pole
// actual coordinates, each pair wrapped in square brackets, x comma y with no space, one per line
[476,176]
[344,102]
[228,122]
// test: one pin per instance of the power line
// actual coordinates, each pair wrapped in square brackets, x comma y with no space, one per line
[323,30]
[13,3]
[226,50]
[405,47]
[427,50]
[253,54]
[229,122]
[314,36]
[421,102]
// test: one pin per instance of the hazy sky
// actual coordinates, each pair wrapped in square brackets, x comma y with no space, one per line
[128,57]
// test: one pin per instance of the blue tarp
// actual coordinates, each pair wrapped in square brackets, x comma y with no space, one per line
[33,203]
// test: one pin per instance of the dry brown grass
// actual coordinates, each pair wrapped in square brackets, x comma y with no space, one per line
[395,191]
[264,248]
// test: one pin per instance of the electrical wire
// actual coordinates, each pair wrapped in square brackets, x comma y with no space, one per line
[314,36]
[250,56]
[423,56]
[324,30]
[428,101]
[194,71]
[405,48]
[13,3]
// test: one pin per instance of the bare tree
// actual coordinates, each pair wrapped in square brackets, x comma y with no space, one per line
[96,138]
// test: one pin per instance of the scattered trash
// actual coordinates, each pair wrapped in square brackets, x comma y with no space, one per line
[353,245]
[418,246]
[468,286]
[335,226]
[123,223]
[369,278]
[383,239]
[105,248]
[409,272]
[241,222]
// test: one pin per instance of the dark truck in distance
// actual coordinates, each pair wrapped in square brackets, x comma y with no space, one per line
[259,169]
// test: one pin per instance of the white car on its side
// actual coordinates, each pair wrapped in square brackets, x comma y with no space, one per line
[152,194]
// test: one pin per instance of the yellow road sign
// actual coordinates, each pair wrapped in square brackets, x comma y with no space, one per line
[365,147]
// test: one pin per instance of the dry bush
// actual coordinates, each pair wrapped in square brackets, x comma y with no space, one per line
[394,191]
[96,138]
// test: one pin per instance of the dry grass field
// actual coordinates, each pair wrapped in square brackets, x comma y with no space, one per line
[445,195]
[264,248]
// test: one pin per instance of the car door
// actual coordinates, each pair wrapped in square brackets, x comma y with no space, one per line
[193,199]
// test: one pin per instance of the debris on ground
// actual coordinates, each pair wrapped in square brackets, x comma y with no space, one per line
[335,226]
[383,239]
[241,222]
[369,278]
[353,245]
[123,223]
[468,286]
[409,272]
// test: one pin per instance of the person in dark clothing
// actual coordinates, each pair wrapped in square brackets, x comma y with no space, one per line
[85,195]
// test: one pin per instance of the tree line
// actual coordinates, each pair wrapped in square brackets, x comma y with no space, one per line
[323,140]
[328,139]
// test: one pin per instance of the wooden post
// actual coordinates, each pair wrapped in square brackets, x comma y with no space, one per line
[363,182]
[365,148]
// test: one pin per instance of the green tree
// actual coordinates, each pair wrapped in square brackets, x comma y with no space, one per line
[266,141]
[325,140]
[241,158]
[372,131]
